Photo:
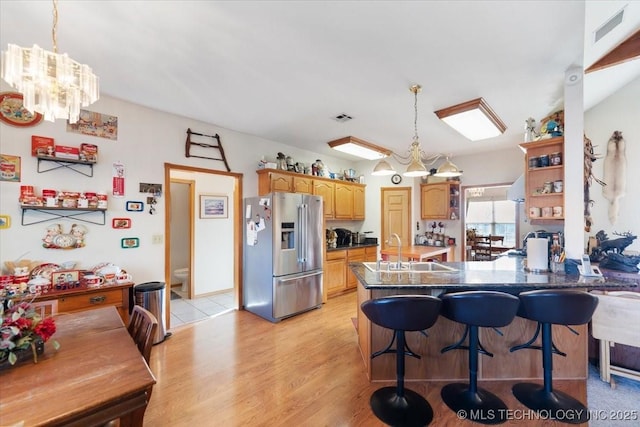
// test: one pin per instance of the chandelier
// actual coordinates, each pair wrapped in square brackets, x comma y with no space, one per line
[51,84]
[416,158]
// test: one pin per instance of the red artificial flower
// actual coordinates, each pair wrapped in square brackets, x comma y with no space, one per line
[46,328]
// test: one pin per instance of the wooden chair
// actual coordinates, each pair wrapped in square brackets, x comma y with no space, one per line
[142,328]
[46,308]
[482,248]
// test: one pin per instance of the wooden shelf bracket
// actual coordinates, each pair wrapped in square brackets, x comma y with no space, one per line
[217,146]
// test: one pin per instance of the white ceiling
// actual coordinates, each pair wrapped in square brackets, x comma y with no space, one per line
[281,70]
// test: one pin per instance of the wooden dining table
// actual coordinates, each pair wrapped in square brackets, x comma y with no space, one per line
[96,375]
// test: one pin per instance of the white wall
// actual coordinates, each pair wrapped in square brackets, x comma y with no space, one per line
[621,112]
[146,140]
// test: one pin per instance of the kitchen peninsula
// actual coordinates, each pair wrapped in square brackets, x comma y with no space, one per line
[505,274]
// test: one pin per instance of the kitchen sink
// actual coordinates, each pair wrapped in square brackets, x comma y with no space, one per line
[414,267]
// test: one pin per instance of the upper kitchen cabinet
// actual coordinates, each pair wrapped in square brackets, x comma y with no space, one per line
[343,200]
[326,189]
[440,200]
[544,186]
[358,202]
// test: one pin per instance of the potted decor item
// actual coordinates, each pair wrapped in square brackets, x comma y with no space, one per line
[23,332]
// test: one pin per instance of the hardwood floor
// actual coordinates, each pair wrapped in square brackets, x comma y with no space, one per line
[240,370]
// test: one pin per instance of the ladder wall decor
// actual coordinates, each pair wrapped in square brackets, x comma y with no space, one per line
[218,146]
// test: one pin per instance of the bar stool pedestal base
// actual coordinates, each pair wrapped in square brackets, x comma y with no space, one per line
[556,404]
[481,407]
[410,410]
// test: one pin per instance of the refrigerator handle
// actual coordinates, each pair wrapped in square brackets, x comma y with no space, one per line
[303,232]
[300,231]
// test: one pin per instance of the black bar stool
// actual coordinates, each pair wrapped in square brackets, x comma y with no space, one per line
[398,406]
[553,307]
[476,309]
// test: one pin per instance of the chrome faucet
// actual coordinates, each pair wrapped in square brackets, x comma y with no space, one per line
[399,249]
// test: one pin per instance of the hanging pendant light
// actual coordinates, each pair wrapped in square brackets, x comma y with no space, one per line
[448,170]
[51,84]
[416,158]
[416,167]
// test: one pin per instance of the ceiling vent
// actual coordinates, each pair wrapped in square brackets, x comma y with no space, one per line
[608,26]
[342,117]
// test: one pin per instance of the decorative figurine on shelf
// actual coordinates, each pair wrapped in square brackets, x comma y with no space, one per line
[282,161]
[78,231]
[530,133]
[320,168]
[289,163]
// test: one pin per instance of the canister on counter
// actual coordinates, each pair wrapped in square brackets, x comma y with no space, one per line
[555,159]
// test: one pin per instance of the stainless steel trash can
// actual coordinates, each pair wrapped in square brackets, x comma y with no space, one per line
[150,295]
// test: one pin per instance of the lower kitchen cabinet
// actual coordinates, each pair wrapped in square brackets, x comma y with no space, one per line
[354,255]
[335,270]
[338,277]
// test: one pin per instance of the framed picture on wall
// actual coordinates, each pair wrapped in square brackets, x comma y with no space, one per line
[135,206]
[130,242]
[121,223]
[213,206]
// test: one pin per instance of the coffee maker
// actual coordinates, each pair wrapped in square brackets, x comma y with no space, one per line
[344,237]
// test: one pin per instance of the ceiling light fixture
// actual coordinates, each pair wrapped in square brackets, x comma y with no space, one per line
[360,148]
[475,120]
[416,158]
[51,83]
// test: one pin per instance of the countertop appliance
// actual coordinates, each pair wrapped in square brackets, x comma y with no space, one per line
[344,236]
[284,241]
[543,235]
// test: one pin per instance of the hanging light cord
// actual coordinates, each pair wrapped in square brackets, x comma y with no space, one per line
[55,26]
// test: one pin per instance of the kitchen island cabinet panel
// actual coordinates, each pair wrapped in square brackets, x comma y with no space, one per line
[506,275]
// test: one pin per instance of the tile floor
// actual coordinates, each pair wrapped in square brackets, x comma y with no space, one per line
[185,311]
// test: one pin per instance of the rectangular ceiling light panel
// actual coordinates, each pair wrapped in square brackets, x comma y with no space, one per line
[360,148]
[475,120]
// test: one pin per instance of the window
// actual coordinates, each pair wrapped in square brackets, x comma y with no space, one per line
[495,217]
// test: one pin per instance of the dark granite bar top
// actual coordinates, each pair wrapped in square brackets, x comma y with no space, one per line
[503,274]
[354,246]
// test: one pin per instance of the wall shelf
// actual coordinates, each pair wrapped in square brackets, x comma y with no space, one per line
[80,166]
[56,213]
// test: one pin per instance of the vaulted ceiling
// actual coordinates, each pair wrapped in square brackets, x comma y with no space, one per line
[282,70]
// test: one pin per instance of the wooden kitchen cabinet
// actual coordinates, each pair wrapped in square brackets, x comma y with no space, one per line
[536,176]
[271,181]
[342,199]
[358,202]
[326,190]
[354,255]
[440,200]
[338,277]
[116,295]
[335,272]
[302,185]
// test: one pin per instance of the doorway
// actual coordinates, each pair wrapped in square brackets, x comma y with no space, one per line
[489,214]
[395,215]
[215,245]
[181,237]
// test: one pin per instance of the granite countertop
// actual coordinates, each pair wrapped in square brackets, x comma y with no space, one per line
[354,246]
[501,274]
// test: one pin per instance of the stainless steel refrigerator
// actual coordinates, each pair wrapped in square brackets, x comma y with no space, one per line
[283,243]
